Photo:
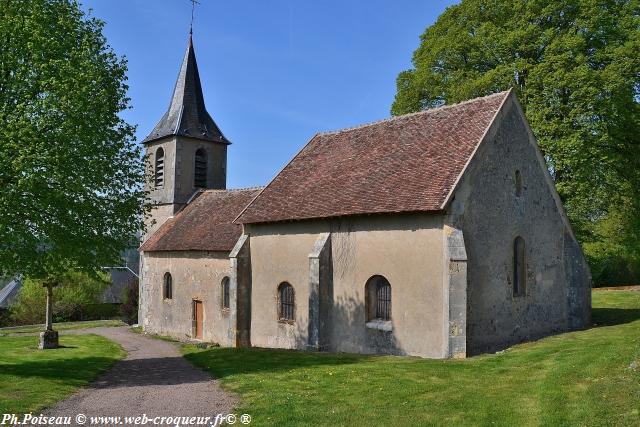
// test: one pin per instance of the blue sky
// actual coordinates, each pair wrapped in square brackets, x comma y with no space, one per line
[274,72]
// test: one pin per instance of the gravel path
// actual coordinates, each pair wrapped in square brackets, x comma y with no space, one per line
[154,379]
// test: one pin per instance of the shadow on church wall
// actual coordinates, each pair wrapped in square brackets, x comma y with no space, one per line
[347,331]
[346,335]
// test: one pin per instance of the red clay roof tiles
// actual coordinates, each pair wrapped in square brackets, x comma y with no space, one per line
[205,224]
[404,164]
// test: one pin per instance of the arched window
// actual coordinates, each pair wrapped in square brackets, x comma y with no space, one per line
[519,268]
[518,184]
[378,298]
[286,302]
[158,175]
[167,288]
[200,169]
[225,293]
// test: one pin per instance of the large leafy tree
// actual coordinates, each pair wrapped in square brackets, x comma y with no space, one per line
[575,66]
[70,171]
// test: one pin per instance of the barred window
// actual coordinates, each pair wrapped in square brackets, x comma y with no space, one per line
[225,293]
[167,289]
[200,169]
[378,298]
[158,175]
[286,302]
[383,300]
[519,268]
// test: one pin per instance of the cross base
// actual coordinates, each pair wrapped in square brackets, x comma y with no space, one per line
[48,339]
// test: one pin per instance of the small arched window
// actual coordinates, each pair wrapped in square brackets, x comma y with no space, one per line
[158,175]
[225,293]
[378,298]
[518,184]
[286,302]
[167,288]
[519,268]
[200,169]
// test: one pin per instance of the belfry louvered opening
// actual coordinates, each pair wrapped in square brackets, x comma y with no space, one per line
[159,169]
[200,169]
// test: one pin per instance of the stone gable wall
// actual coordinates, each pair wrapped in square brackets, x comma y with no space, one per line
[490,214]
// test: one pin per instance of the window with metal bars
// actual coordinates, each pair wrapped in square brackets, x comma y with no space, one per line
[519,268]
[158,175]
[286,302]
[168,286]
[378,298]
[383,300]
[200,170]
[225,294]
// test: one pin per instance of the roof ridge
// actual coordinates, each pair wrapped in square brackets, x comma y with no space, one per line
[212,190]
[257,187]
[416,113]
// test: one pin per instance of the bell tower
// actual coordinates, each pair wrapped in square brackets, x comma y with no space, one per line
[185,151]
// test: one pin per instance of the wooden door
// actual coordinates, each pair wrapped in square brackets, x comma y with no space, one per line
[197,318]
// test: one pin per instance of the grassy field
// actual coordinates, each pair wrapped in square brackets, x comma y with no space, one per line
[31,379]
[30,329]
[582,378]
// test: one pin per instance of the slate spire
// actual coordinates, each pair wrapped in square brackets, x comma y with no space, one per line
[187,114]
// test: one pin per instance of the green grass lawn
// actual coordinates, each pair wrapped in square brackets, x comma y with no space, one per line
[580,378]
[31,329]
[31,379]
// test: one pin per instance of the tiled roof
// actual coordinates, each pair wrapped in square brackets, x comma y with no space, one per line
[205,224]
[403,164]
[187,114]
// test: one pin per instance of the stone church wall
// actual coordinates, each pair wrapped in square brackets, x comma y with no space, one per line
[491,214]
[406,249]
[195,276]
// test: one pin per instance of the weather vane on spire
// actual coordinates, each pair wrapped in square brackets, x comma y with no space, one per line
[193,9]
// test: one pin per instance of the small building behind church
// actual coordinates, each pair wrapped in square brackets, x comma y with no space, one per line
[436,234]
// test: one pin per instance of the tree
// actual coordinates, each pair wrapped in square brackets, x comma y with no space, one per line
[75,296]
[70,171]
[575,67]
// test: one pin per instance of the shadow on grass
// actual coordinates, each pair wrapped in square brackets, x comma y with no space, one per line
[614,316]
[124,373]
[224,362]
[72,369]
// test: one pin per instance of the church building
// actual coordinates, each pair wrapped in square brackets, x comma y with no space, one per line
[436,234]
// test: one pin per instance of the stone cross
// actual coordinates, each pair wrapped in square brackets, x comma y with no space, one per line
[193,10]
[49,338]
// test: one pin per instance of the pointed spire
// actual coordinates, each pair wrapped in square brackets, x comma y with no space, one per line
[187,114]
